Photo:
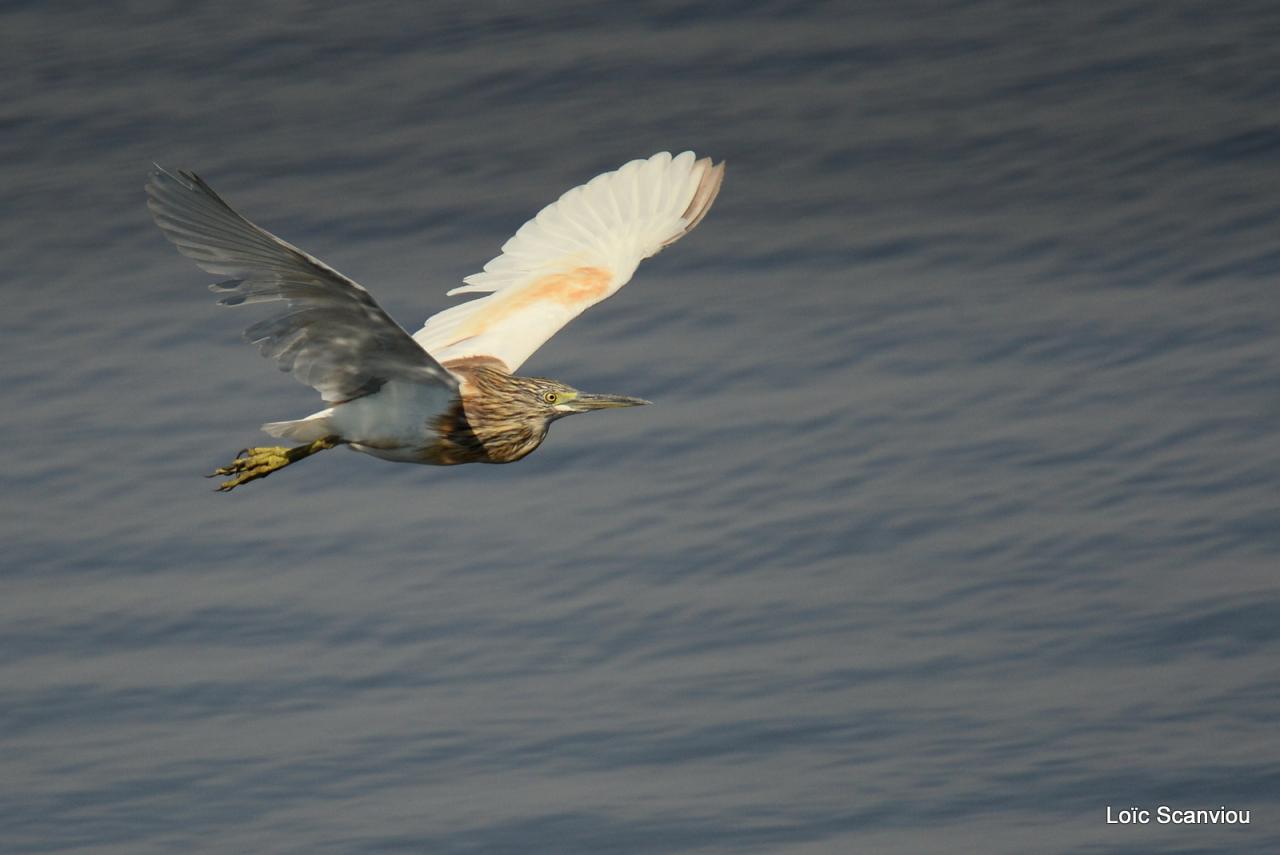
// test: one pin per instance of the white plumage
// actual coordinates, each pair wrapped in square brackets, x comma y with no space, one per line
[577,251]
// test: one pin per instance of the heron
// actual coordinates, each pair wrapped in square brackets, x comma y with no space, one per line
[449,394]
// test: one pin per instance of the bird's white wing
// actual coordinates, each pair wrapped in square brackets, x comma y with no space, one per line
[332,335]
[576,252]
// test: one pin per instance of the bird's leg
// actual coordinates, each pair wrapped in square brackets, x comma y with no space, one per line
[254,463]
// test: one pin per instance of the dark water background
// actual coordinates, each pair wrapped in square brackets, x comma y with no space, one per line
[957,519]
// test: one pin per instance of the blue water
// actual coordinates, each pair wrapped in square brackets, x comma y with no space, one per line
[956,521]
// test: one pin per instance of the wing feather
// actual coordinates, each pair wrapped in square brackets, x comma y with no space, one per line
[576,252]
[331,335]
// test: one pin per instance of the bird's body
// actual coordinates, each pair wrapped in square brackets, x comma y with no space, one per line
[449,394]
[494,417]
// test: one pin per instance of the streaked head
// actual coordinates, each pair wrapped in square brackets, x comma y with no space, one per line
[557,400]
[508,415]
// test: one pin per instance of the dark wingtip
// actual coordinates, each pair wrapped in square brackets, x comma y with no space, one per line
[186,178]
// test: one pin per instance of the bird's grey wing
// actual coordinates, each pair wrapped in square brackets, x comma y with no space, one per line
[331,335]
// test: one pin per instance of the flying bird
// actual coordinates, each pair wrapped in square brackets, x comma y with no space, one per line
[449,393]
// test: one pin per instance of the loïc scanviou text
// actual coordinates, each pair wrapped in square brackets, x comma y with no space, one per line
[1166,815]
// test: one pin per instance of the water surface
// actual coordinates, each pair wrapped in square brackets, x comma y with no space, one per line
[954,523]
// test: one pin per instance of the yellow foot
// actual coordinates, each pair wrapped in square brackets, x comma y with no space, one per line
[254,463]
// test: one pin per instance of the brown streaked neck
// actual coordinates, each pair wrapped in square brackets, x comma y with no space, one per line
[485,424]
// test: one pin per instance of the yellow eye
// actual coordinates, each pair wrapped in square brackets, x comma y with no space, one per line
[550,397]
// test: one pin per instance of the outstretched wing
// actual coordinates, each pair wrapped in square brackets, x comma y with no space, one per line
[332,335]
[576,252]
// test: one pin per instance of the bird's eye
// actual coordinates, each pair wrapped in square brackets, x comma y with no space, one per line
[550,397]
